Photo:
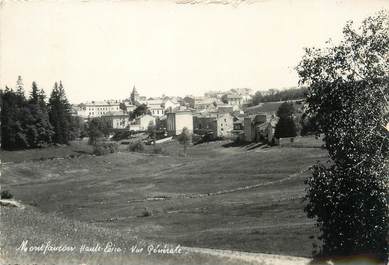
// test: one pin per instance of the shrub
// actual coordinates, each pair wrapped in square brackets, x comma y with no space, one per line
[104,148]
[159,150]
[121,135]
[6,194]
[136,147]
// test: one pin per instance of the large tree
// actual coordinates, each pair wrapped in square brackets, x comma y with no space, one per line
[13,134]
[286,126]
[348,93]
[59,114]
[39,130]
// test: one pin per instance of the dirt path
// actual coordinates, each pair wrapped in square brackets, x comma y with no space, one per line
[253,258]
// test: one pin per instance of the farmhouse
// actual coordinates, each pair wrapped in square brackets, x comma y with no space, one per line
[177,120]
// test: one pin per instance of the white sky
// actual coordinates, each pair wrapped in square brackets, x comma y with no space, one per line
[100,49]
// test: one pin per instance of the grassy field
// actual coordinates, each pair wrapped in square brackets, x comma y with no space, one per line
[77,148]
[236,198]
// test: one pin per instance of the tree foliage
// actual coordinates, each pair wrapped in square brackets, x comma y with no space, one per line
[286,126]
[97,128]
[139,111]
[348,91]
[224,99]
[31,122]
[24,122]
[59,114]
[272,95]
[185,138]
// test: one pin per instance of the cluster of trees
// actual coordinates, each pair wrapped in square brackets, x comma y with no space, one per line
[278,95]
[348,95]
[31,122]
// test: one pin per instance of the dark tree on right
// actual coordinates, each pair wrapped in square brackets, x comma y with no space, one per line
[348,94]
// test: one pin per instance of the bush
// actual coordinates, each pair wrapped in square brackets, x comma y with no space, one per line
[121,135]
[6,194]
[104,148]
[159,150]
[136,147]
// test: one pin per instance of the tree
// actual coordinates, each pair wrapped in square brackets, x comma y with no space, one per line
[309,124]
[348,91]
[77,128]
[12,132]
[257,98]
[34,95]
[96,129]
[189,101]
[39,129]
[123,107]
[59,114]
[286,126]
[152,131]
[224,99]
[185,138]
[139,111]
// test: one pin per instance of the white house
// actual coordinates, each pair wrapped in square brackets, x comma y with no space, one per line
[156,107]
[142,123]
[170,104]
[117,120]
[177,120]
[95,109]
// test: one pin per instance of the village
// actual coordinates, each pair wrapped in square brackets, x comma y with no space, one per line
[216,115]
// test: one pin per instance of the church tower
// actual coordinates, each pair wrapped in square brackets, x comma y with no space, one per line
[134,96]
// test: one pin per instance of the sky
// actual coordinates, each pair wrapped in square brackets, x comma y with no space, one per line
[101,49]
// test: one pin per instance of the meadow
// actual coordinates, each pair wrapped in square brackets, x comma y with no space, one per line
[218,196]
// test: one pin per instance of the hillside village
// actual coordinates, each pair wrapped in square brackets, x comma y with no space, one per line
[217,114]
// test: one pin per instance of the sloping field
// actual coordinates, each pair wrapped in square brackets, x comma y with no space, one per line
[34,228]
[217,197]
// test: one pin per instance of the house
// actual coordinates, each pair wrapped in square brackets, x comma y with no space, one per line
[170,104]
[235,101]
[225,108]
[177,120]
[95,109]
[259,127]
[218,124]
[156,107]
[117,120]
[141,123]
[204,103]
